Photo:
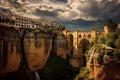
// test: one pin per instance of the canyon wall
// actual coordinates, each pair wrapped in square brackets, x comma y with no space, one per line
[104,63]
[10,50]
[61,46]
[37,49]
[16,44]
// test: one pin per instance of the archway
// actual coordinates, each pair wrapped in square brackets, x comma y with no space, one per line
[82,48]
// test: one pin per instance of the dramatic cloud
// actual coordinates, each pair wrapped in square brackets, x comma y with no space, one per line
[63,10]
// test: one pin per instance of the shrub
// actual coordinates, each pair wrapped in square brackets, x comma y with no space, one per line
[83,75]
[109,52]
[101,39]
[95,39]
[110,42]
[116,54]
[117,43]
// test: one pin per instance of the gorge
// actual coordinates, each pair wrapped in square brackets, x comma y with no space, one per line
[28,46]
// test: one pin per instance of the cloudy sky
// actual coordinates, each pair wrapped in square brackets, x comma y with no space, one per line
[74,14]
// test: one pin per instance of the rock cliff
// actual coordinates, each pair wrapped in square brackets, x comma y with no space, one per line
[103,62]
[37,49]
[32,46]
[61,46]
[10,50]
[16,44]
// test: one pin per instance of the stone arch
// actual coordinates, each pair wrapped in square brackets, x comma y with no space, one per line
[80,36]
[89,36]
[83,46]
[84,35]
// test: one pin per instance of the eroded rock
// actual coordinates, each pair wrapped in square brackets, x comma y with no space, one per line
[37,49]
[10,50]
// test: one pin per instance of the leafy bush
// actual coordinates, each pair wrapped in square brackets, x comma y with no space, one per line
[111,25]
[109,52]
[83,75]
[110,42]
[101,39]
[56,68]
[117,43]
[116,54]
[112,35]
[95,39]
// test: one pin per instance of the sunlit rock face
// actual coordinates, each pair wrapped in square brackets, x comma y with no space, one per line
[37,49]
[10,50]
[104,63]
[61,46]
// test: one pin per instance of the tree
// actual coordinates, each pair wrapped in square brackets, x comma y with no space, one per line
[112,26]
[118,31]
[111,38]
[56,68]
[112,35]
[101,39]
[95,39]
[110,42]
[117,43]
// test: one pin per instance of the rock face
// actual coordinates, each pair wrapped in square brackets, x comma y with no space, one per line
[61,46]
[10,50]
[70,44]
[104,63]
[34,47]
[31,45]
[37,49]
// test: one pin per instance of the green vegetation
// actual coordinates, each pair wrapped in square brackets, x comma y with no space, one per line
[117,43]
[112,39]
[101,39]
[83,75]
[57,68]
[100,50]
[111,25]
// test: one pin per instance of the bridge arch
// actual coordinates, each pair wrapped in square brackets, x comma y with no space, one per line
[80,36]
[83,46]
[89,35]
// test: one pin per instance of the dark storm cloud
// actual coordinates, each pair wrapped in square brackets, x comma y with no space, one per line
[96,9]
[64,1]
[32,1]
[110,10]
[45,13]
[92,9]
[71,9]
[3,10]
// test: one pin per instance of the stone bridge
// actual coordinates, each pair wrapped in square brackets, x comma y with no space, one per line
[80,42]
